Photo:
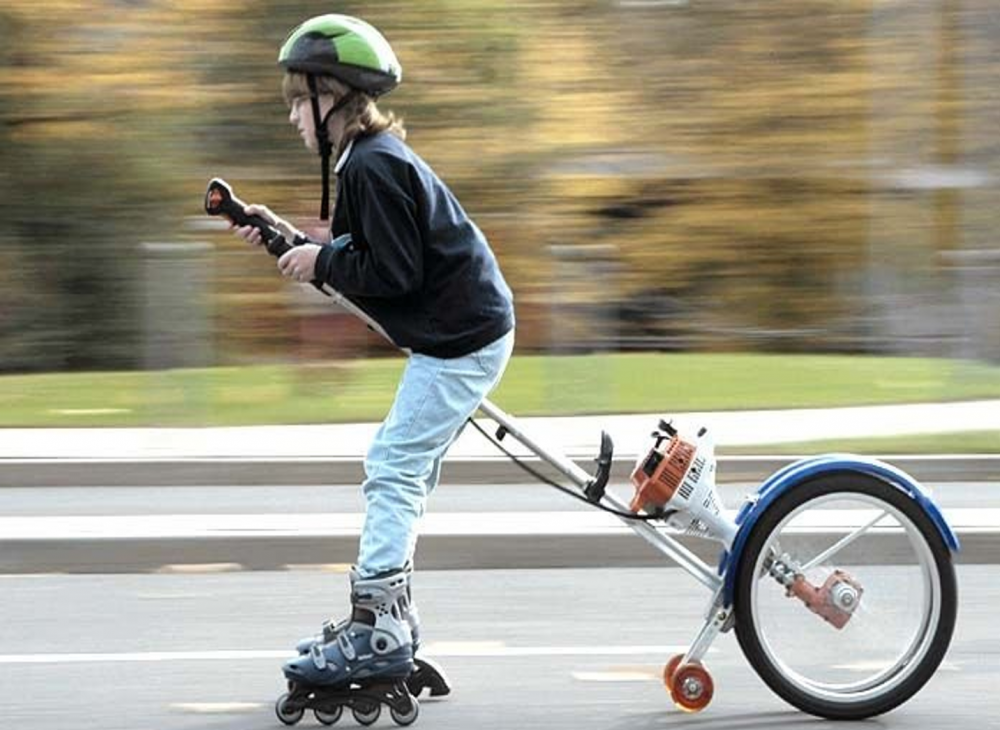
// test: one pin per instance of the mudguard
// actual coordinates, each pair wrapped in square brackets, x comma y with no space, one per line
[796,473]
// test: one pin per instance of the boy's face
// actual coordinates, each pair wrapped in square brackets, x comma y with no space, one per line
[300,116]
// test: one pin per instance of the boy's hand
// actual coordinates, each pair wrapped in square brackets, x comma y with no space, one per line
[300,262]
[251,235]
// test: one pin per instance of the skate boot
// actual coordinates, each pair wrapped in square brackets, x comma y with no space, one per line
[332,627]
[364,667]
[426,674]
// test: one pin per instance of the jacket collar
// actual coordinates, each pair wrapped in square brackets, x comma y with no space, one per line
[343,158]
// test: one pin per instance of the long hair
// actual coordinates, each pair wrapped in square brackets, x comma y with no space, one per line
[362,115]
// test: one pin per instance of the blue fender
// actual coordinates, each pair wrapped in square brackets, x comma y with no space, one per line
[800,471]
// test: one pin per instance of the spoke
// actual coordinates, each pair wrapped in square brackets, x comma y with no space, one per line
[842,543]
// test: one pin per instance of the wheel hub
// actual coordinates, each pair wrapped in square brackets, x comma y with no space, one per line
[692,688]
[845,597]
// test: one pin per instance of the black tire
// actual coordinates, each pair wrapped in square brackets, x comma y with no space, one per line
[287,716]
[403,719]
[330,716]
[750,642]
[366,713]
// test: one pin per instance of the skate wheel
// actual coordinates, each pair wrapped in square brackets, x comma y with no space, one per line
[692,687]
[669,670]
[328,717]
[406,718]
[366,714]
[286,715]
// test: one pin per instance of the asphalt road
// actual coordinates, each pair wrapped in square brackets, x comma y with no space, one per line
[553,649]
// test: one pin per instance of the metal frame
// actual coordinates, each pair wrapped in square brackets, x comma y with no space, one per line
[666,544]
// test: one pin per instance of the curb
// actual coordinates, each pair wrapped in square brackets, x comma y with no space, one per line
[309,471]
[437,552]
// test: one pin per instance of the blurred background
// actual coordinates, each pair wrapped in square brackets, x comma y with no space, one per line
[656,176]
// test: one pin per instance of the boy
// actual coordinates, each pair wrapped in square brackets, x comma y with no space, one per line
[402,249]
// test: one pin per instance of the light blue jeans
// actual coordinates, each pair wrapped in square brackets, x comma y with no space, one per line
[434,399]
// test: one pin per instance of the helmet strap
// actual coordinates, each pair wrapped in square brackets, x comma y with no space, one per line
[323,139]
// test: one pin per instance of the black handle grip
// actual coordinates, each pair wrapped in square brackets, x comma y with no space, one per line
[220,200]
[597,486]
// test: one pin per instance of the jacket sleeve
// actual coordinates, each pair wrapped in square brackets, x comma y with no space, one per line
[383,255]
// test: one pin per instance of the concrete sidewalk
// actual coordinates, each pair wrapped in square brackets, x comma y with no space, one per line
[332,453]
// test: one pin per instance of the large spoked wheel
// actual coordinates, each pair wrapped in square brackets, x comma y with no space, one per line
[865,557]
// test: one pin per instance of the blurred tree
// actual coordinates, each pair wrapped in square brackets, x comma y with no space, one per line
[764,172]
[87,182]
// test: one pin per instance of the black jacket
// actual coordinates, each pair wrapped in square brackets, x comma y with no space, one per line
[404,251]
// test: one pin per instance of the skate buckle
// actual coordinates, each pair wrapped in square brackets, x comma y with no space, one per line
[346,646]
[318,657]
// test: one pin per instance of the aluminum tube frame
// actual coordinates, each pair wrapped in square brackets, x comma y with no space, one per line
[665,543]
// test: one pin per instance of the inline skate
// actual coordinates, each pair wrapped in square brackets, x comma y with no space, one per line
[366,666]
[427,674]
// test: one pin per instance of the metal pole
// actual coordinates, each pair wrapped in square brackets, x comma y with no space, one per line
[666,544]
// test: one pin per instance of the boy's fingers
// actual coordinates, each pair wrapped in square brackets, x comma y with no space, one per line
[286,262]
[261,210]
[249,234]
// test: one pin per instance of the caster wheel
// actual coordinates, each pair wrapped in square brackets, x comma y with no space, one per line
[366,714]
[669,670]
[692,687]
[286,715]
[405,718]
[328,717]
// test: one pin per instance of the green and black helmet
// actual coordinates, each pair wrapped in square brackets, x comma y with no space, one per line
[351,51]
[346,48]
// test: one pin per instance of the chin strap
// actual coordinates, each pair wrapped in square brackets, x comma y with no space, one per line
[323,139]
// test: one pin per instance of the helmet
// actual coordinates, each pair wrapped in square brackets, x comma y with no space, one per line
[346,48]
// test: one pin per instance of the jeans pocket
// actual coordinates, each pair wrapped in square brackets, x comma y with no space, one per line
[482,362]
[492,359]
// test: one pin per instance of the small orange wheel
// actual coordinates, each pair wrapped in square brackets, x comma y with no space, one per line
[669,669]
[692,687]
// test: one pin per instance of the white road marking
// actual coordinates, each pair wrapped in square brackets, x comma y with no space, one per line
[319,567]
[198,568]
[624,675]
[448,649]
[497,649]
[181,526]
[876,666]
[217,708]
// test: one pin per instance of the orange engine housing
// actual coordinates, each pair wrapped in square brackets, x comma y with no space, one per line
[660,474]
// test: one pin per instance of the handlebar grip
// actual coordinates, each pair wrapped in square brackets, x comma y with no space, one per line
[278,247]
[219,200]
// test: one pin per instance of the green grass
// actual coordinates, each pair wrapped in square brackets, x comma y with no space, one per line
[970,442]
[362,390]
